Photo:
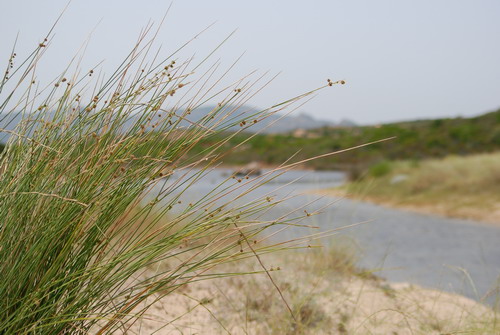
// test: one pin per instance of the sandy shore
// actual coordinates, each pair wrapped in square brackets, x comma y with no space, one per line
[323,302]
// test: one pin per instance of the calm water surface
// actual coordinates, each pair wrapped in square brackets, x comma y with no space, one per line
[449,254]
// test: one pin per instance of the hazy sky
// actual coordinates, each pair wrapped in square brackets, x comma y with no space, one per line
[401,59]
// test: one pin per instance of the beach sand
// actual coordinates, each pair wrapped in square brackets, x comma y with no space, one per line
[323,303]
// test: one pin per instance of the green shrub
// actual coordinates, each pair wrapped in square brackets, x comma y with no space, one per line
[380,169]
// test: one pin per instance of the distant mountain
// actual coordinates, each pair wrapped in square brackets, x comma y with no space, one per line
[273,124]
[276,123]
[346,123]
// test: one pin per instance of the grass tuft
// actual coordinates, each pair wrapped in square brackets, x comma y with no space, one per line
[89,206]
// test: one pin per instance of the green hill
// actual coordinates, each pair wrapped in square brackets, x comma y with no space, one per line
[414,141]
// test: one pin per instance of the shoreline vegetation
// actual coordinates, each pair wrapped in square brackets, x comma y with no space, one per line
[465,187]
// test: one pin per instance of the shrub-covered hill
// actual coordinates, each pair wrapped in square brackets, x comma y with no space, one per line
[414,140]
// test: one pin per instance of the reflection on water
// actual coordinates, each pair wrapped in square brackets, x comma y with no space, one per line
[449,254]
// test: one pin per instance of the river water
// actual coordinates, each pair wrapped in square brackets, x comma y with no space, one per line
[448,254]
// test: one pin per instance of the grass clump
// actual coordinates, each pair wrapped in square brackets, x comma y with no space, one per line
[92,228]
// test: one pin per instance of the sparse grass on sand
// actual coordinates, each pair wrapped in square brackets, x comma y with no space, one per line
[328,295]
[457,186]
